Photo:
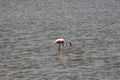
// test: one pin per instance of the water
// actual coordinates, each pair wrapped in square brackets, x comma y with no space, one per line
[29,27]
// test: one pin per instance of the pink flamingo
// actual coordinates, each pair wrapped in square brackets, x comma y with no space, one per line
[61,41]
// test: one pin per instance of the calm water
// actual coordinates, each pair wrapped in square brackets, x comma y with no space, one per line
[28,28]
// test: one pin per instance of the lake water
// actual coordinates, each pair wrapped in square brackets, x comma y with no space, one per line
[29,27]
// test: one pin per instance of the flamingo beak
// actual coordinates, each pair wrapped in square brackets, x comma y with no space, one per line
[70,43]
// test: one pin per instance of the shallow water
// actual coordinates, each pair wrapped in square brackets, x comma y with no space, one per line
[29,27]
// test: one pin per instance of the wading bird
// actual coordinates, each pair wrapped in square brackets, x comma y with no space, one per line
[62,42]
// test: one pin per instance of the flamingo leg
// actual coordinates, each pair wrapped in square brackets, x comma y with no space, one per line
[59,47]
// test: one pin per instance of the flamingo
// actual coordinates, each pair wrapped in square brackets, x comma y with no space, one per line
[62,42]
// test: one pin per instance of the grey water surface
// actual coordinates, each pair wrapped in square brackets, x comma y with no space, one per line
[29,27]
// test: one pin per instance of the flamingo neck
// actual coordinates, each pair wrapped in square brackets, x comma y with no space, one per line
[68,43]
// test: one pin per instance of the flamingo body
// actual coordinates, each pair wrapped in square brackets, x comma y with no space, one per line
[59,41]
